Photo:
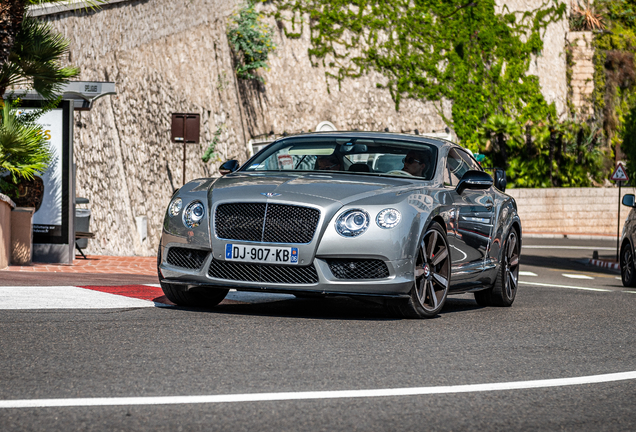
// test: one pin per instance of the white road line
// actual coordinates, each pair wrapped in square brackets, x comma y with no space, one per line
[576,276]
[308,395]
[568,247]
[564,286]
[631,292]
[64,297]
[527,273]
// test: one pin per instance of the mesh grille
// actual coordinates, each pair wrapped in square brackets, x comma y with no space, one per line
[290,224]
[240,221]
[283,224]
[263,273]
[358,268]
[187,258]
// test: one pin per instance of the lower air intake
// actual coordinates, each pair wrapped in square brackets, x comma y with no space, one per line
[191,259]
[247,272]
[358,268]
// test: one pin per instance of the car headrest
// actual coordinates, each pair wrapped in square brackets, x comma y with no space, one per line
[360,167]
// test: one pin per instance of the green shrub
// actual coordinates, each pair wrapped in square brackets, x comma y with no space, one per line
[251,40]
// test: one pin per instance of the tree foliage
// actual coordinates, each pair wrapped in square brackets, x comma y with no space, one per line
[251,40]
[35,60]
[24,150]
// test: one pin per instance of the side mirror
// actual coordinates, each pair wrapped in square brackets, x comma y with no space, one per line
[229,167]
[500,180]
[629,200]
[474,179]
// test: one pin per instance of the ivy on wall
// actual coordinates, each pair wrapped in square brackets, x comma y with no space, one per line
[432,50]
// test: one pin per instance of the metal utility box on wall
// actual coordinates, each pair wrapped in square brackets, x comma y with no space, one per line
[185,130]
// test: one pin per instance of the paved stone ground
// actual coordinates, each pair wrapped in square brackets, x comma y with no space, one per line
[95,270]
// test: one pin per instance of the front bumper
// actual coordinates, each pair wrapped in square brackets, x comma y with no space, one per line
[397,281]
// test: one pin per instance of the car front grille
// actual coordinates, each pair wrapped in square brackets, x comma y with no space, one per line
[187,258]
[248,272]
[269,223]
[358,268]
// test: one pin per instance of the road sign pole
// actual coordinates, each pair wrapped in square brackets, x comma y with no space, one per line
[184,149]
[618,223]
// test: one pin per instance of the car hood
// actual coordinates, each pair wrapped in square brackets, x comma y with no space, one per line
[316,188]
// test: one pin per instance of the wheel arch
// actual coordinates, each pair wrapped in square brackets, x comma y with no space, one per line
[626,243]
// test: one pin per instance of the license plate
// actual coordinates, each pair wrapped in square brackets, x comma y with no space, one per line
[275,255]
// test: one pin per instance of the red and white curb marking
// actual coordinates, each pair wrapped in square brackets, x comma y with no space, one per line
[107,297]
[605,264]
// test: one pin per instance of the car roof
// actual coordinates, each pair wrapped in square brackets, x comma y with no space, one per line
[438,142]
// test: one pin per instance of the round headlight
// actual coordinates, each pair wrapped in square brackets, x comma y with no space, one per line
[388,218]
[175,207]
[193,214]
[352,223]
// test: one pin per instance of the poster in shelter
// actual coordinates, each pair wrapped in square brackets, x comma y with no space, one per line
[48,219]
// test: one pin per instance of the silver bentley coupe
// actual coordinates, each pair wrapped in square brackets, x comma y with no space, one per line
[404,220]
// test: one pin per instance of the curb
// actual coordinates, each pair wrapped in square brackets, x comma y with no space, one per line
[612,265]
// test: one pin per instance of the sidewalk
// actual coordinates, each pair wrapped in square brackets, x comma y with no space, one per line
[95,270]
[96,264]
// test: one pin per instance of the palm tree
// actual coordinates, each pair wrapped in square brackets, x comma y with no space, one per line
[31,54]
[34,60]
[23,148]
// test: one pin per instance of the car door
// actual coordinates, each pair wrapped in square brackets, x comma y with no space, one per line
[472,217]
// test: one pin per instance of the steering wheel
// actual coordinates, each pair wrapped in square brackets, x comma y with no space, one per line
[400,173]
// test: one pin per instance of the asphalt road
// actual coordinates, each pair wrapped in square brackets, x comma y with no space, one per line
[569,321]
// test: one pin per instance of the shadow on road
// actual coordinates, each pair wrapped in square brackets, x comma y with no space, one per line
[338,308]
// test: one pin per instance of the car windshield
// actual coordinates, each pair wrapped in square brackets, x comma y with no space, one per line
[349,155]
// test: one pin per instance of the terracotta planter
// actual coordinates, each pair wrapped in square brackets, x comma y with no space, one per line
[22,235]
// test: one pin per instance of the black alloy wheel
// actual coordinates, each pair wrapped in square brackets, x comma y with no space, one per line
[628,275]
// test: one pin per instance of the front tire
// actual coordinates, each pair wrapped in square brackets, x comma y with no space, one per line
[432,277]
[504,290]
[628,273]
[195,297]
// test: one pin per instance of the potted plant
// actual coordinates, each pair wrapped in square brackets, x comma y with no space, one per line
[24,152]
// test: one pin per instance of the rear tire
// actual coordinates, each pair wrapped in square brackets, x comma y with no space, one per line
[628,273]
[504,290]
[195,297]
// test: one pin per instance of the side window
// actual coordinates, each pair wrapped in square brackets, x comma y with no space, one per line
[455,168]
[471,163]
[457,163]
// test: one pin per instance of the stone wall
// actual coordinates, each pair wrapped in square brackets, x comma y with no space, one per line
[572,212]
[164,57]
[582,82]
[167,56]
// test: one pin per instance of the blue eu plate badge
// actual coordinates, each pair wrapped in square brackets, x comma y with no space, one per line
[294,256]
